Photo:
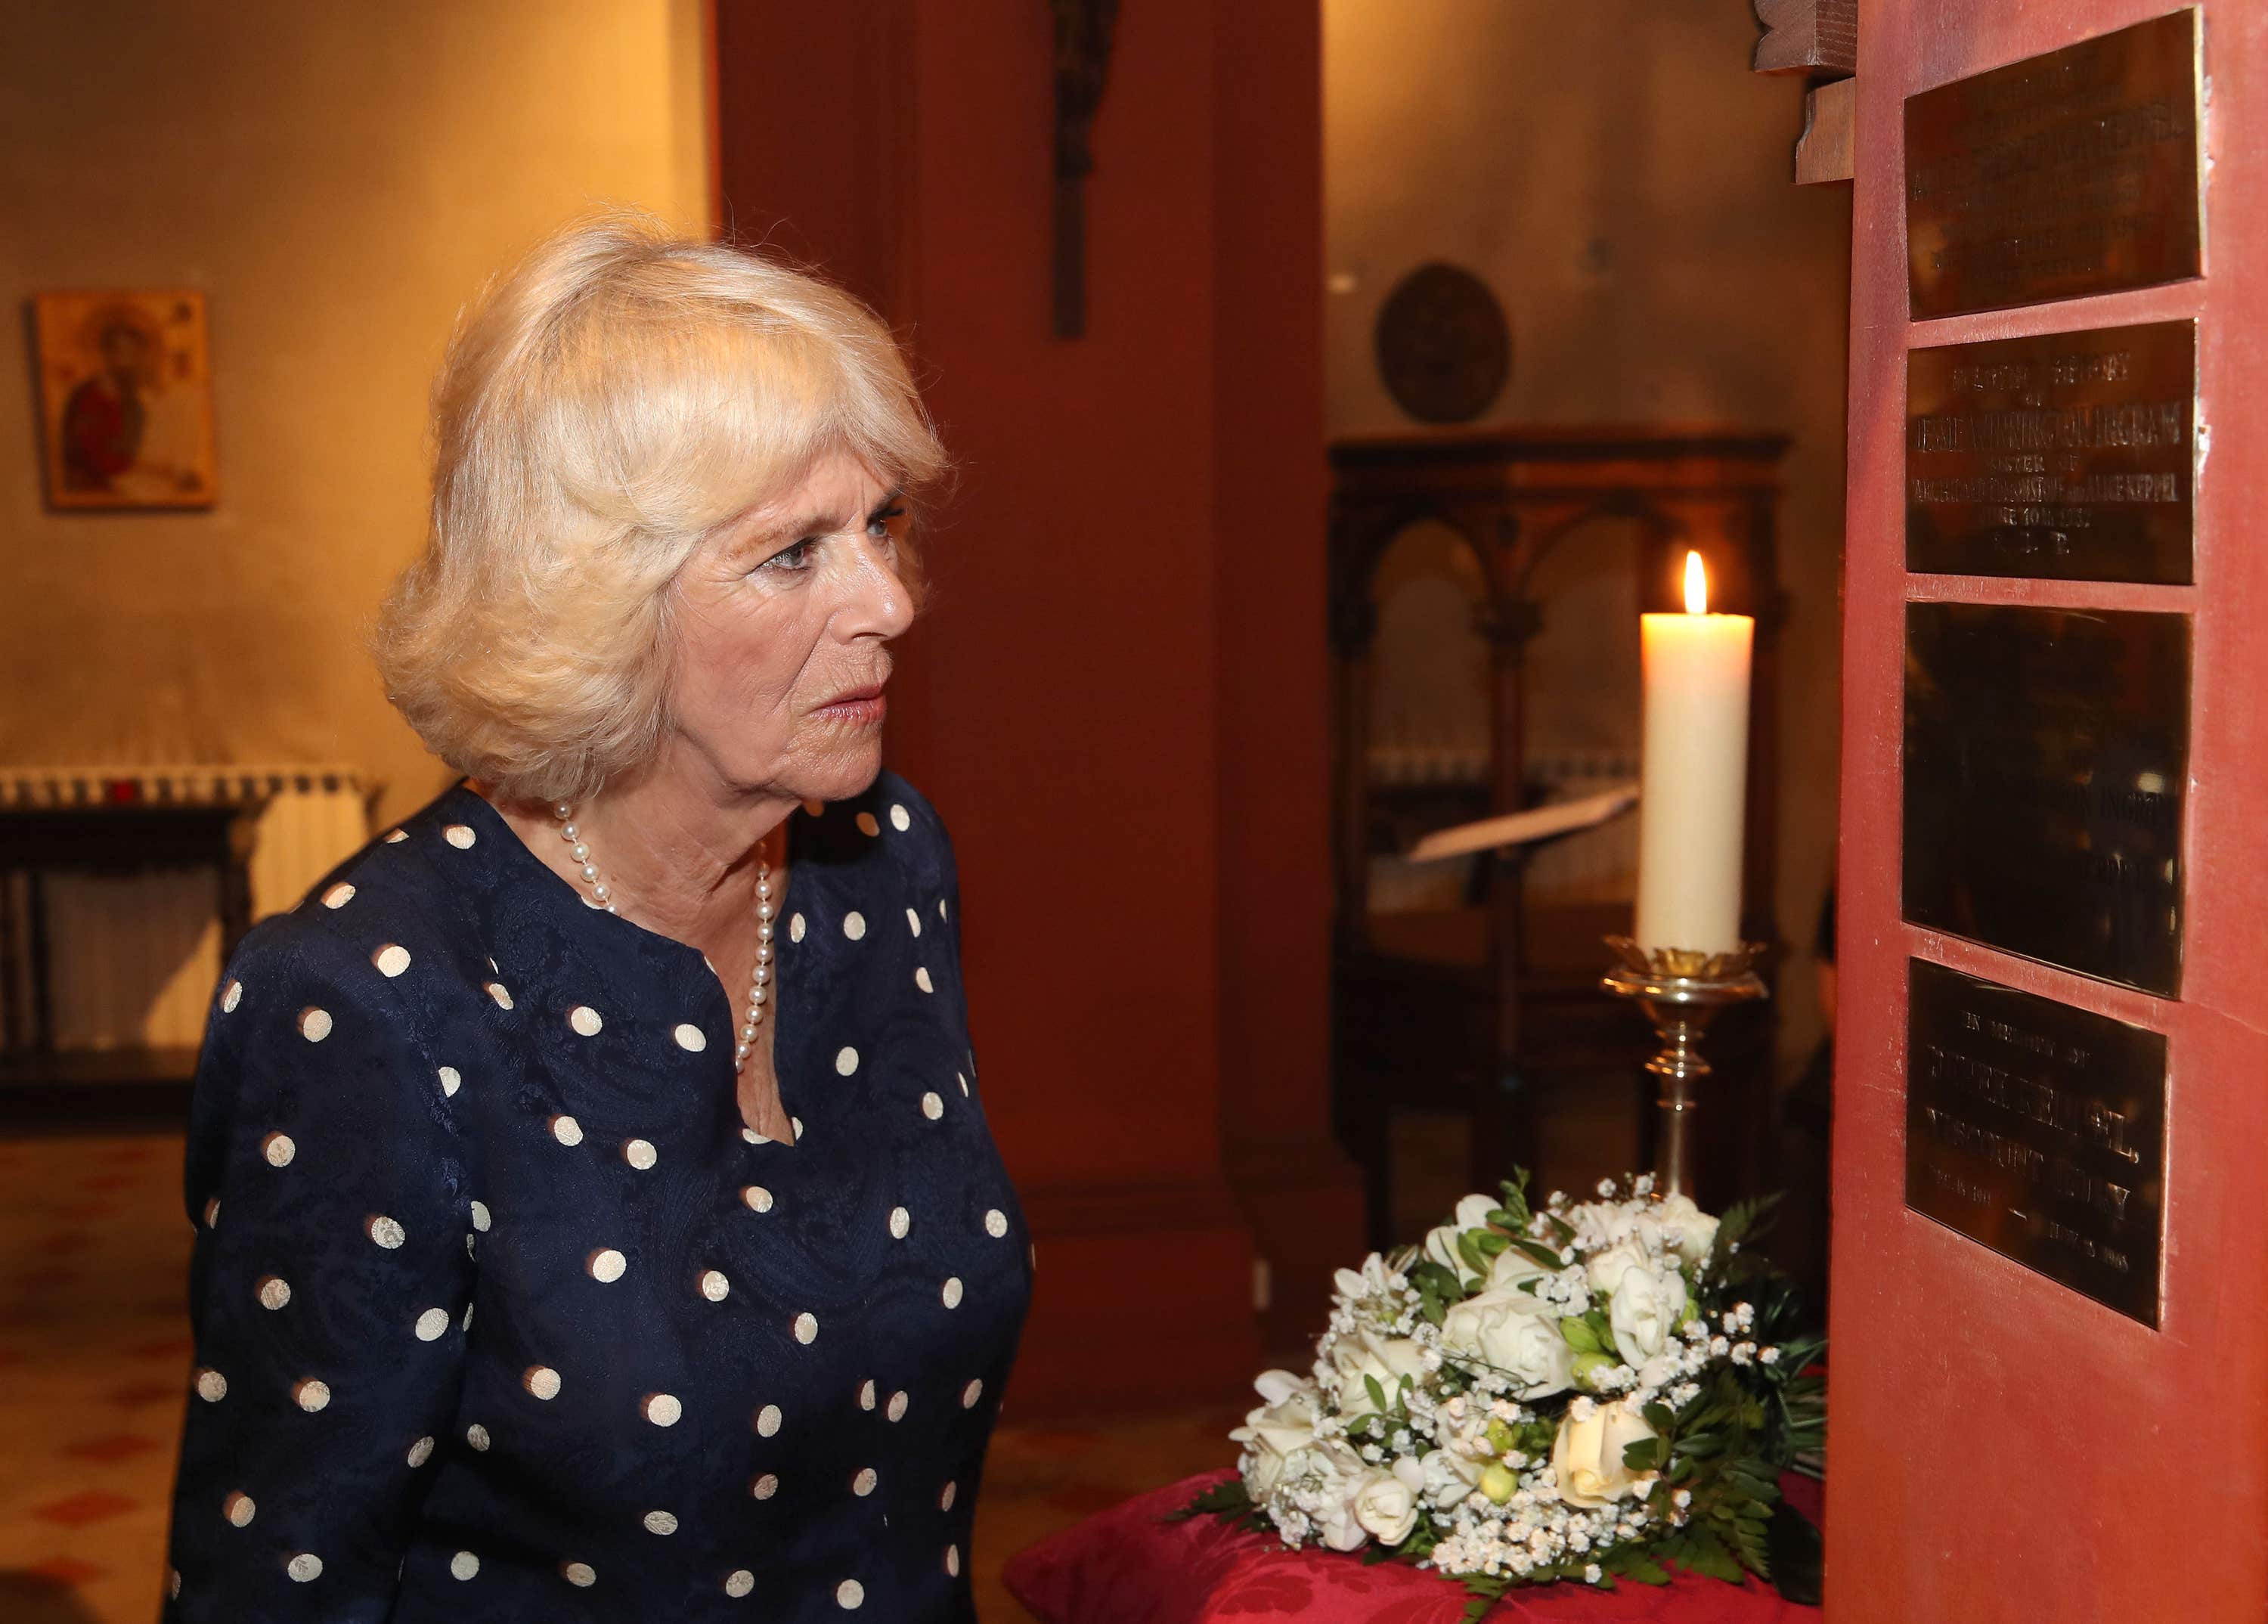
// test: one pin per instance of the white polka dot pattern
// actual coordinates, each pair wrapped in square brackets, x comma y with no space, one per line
[566,1130]
[641,1154]
[850,1595]
[662,1409]
[464,1565]
[231,997]
[863,1485]
[310,1395]
[459,836]
[944,1500]
[953,1561]
[921,978]
[899,818]
[542,1380]
[900,1220]
[239,1509]
[304,1568]
[768,1422]
[933,1106]
[607,1266]
[964,1084]
[212,1387]
[765,1487]
[897,1408]
[661,1523]
[866,1394]
[690,1038]
[392,959]
[339,896]
[854,925]
[995,1224]
[432,1323]
[585,1019]
[496,991]
[212,1212]
[795,928]
[971,1393]
[420,1452]
[384,1232]
[913,921]
[951,1295]
[714,1286]
[451,1080]
[578,1575]
[846,1061]
[758,1198]
[477,1436]
[481,1219]
[739,1582]
[806,1329]
[315,1024]
[278,1149]
[275,1291]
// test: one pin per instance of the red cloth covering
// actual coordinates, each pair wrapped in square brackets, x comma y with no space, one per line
[1127,1565]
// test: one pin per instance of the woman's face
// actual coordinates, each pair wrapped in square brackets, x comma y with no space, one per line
[785,617]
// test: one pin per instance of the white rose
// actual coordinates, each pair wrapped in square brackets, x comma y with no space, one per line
[1512,1267]
[1278,1430]
[1383,1507]
[1697,1230]
[1367,1353]
[1473,1211]
[1604,1269]
[1331,1505]
[1645,1308]
[1450,1476]
[1512,1332]
[1587,1455]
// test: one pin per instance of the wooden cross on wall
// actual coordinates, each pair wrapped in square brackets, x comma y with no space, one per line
[1083,32]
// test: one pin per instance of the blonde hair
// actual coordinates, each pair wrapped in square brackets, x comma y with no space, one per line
[605,405]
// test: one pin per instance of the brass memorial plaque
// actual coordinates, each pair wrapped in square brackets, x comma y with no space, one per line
[2046,761]
[2065,175]
[2039,1130]
[2070,455]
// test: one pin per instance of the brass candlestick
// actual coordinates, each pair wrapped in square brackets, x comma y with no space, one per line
[1680,990]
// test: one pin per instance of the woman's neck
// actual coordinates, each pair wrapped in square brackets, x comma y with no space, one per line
[677,855]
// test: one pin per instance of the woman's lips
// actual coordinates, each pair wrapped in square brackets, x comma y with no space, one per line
[859,707]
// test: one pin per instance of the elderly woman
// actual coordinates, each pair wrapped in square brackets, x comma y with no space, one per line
[596,1216]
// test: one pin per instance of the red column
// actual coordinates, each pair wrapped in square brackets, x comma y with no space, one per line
[1116,700]
[2004,1451]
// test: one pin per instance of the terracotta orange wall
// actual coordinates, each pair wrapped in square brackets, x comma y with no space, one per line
[2005,1450]
[1117,698]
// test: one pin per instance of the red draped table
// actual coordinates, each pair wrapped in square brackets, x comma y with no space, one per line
[1129,1566]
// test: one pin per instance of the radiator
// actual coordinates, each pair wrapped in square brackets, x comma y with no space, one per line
[134,957]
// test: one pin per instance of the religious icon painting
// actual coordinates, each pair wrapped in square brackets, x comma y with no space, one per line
[126,398]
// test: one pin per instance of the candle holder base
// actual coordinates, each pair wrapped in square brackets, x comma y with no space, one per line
[1679,992]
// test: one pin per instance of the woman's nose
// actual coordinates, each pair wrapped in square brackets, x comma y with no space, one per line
[876,603]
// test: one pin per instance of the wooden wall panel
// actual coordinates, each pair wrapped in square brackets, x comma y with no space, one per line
[2004,1451]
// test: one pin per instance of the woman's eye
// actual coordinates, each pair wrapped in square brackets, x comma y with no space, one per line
[794,557]
[880,527]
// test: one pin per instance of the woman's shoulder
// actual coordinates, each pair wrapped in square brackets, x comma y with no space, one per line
[890,824]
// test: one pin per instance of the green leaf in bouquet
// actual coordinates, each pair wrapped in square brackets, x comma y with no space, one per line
[1658,1417]
[1489,1242]
[1227,1499]
[1643,1456]
[1561,1228]
[1377,1393]
[1705,1554]
[1580,1335]
[1515,1199]
[1469,1248]
[1542,1256]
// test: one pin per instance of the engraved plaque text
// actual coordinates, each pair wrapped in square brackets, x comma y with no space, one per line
[2046,761]
[2065,175]
[2071,455]
[2039,1130]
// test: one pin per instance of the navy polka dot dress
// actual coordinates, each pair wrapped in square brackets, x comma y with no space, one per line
[501,1312]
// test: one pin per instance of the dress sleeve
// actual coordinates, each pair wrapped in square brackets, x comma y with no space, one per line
[329,1287]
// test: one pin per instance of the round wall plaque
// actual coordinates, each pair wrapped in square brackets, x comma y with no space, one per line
[1444,349]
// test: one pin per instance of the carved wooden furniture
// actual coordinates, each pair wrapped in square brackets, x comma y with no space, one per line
[1524,1003]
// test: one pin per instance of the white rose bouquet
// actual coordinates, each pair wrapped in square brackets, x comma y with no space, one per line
[1585,1390]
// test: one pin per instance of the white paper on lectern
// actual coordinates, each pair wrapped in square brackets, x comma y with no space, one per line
[1561,818]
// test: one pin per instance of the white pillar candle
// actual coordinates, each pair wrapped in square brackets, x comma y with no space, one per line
[1693,782]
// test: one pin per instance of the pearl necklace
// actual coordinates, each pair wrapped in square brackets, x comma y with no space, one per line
[760,981]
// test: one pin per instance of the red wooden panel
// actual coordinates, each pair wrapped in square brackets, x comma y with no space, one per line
[2003,1448]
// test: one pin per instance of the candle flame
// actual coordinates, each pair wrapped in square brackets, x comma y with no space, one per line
[1697,586]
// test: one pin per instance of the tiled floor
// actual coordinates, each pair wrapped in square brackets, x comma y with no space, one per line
[94,1357]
